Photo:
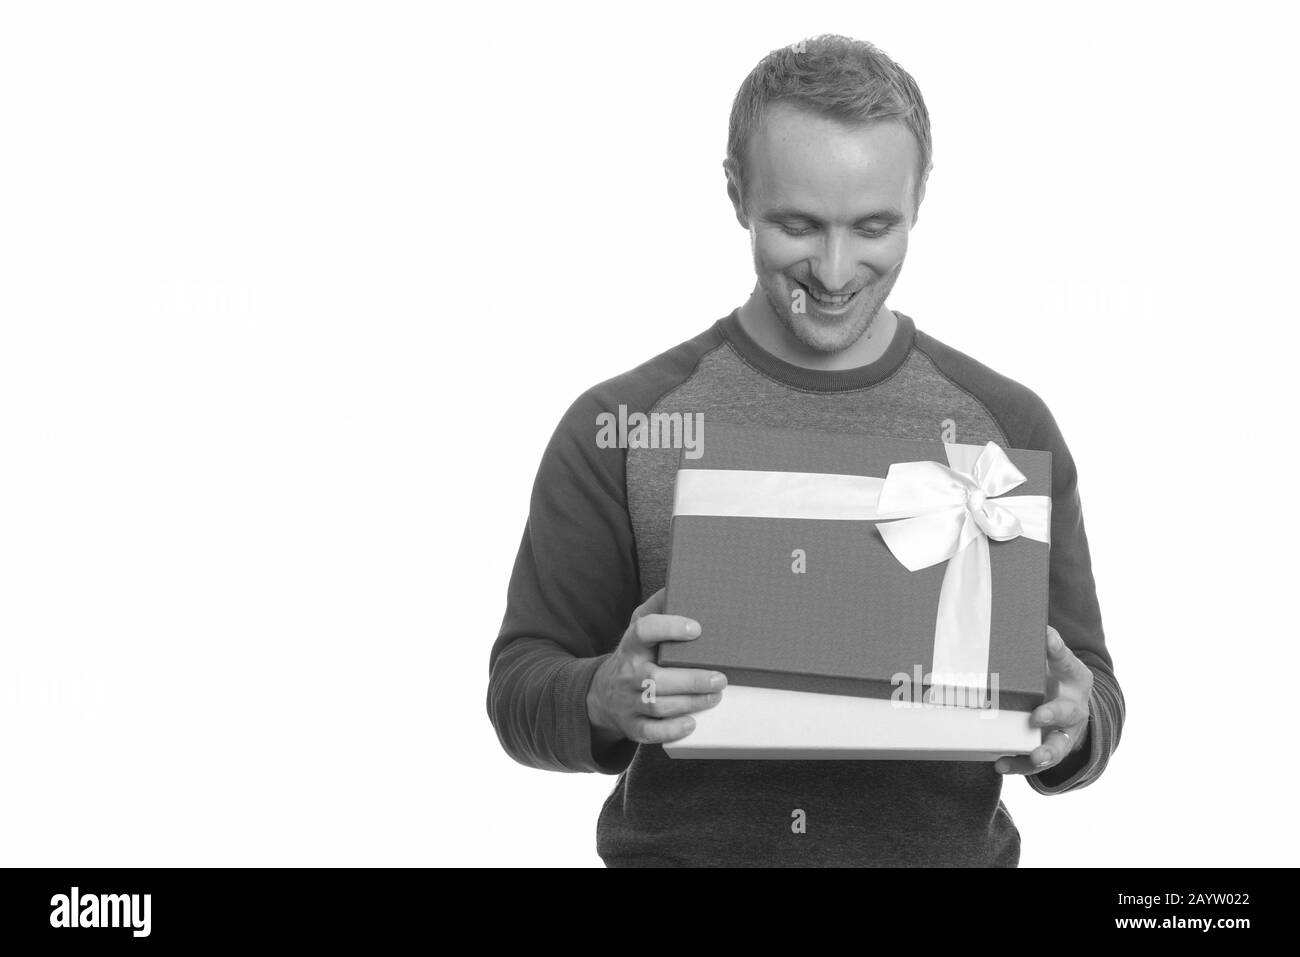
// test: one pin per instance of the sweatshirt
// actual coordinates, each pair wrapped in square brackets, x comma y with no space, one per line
[596,544]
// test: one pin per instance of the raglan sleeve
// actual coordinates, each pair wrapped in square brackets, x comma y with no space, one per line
[571,595]
[1073,610]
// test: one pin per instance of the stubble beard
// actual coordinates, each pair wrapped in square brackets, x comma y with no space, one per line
[830,337]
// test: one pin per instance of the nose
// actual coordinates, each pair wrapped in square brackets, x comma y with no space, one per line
[835,268]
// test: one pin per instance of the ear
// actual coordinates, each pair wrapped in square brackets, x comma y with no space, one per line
[734,194]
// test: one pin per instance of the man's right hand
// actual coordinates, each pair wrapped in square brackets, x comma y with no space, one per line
[617,702]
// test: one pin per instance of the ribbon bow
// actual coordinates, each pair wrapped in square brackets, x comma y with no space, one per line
[951,515]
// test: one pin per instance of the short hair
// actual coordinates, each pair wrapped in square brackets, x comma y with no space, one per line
[837,77]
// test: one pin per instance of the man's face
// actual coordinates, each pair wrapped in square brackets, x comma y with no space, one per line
[828,208]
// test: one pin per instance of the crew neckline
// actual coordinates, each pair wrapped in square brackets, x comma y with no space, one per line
[821,380]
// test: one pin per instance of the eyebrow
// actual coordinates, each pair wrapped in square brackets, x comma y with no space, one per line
[889,215]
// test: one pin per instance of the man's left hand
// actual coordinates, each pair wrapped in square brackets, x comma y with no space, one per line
[1069,684]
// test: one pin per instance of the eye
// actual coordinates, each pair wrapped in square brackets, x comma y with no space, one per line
[792,230]
[874,233]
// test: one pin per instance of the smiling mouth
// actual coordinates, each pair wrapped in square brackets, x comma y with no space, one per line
[827,301]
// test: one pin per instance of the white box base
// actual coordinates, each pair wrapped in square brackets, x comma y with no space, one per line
[770,724]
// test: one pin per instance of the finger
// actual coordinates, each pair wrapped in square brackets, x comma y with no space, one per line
[651,629]
[674,704]
[1060,712]
[1070,739]
[1018,764]
[687,680]
[661,730]
[1041,758]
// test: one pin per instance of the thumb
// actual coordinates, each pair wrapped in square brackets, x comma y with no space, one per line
[654,605]
[1061,662]
[1055,643]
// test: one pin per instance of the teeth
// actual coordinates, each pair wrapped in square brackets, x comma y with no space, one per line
[829,300]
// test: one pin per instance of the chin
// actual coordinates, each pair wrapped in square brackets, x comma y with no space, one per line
[834,335]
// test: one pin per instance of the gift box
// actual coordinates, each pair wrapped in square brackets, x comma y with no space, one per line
[865,595]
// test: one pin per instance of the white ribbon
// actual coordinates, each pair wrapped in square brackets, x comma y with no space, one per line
[944,513]
[954,511]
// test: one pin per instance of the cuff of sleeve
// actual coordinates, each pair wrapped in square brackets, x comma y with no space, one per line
[573,732]
[1077,764]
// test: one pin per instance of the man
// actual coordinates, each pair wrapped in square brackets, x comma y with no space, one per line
[828,155]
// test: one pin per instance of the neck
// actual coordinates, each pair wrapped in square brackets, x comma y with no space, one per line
[757,319]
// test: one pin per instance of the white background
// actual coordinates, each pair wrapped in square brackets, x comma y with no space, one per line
[293,295]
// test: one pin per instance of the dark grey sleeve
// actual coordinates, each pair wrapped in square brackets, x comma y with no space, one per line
[571,595]
[1073,610]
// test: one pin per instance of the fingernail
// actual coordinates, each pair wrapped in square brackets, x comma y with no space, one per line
[714,698]
[692,629]
[1045,715]
[718,682]
[1044,763]
[690,724]
[1000,768]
